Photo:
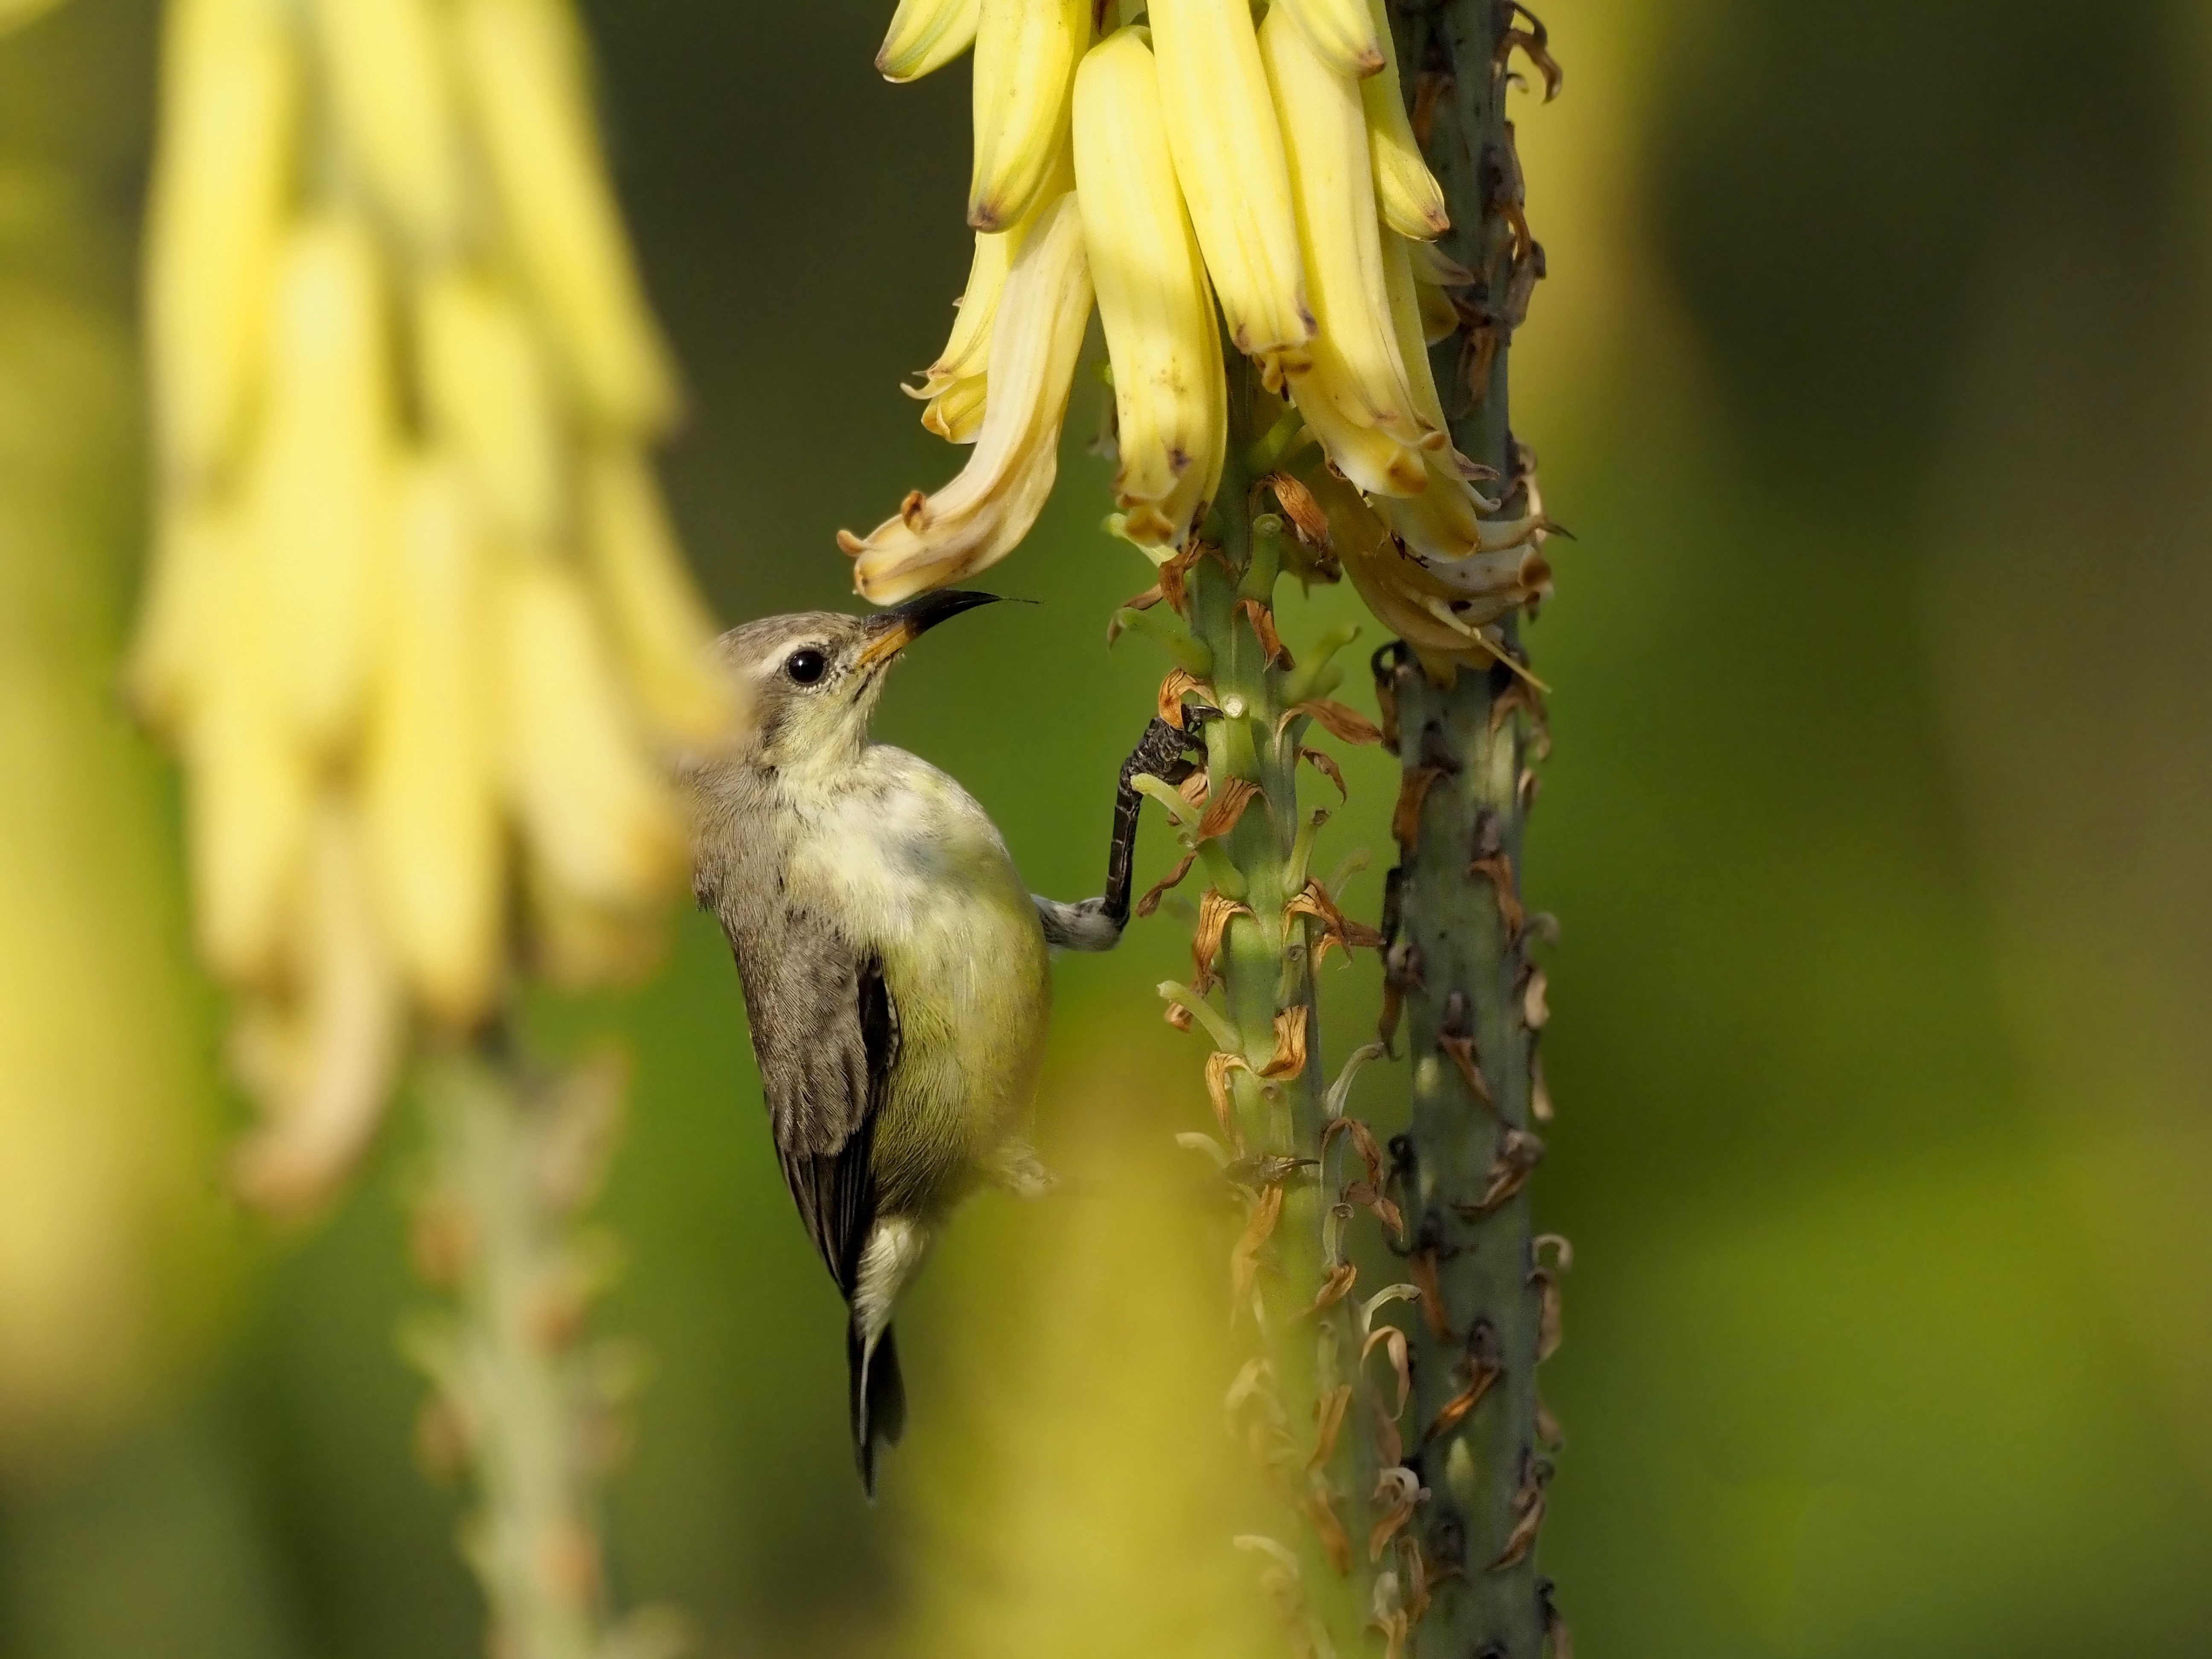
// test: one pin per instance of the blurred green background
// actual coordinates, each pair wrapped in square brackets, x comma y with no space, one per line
[1875,378]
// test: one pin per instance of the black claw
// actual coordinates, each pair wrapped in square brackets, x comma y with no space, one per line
[1162,752]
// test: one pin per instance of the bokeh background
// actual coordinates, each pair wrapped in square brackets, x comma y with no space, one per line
[1875,378]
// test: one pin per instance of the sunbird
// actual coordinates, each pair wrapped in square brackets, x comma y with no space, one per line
[894,965]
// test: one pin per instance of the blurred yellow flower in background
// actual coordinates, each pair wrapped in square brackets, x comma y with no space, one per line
[104,1251]
[417,625]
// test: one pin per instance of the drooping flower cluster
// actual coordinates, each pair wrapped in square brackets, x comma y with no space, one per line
[1185,159]
[417,623]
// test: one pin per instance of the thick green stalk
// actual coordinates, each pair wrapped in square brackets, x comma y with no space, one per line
[524,1405]
[1324,1475]
[1458,958]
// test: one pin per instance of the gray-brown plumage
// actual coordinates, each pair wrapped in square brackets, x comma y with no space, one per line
[894,966]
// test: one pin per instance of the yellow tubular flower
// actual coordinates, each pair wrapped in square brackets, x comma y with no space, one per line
[953,386]
[662,631]
[322,1059]
[955,413]
[230,96]
[320,483]
[1442,628]
[485,393]
[926,35]
[981,516]
[1367,455]
[1467,555]
[1346,33]
[1411,201]
[523,74]
[968,348]
[577,944]
[1442,521]
[590,805]
[1152,294]
[1229,160]
[1356,363]
[251,782]
[430,798]
[1025,56]
[1201,482]
[1408,328]
[386,64]
[165,669]
[416,621]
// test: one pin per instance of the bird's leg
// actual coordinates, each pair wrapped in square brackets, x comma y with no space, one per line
[1162,752]
[1016,1168]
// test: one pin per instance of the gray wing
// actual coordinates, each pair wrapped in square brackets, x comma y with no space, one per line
[825,1032]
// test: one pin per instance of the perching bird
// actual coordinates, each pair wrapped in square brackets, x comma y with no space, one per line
[894,965]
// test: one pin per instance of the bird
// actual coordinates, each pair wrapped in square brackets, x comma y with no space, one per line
[894,966]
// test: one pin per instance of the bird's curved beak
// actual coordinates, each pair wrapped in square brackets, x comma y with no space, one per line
[896,630]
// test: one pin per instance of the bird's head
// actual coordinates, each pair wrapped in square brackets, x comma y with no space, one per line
[814,676]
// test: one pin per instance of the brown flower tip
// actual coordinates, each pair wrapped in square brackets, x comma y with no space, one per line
[1338,1285]
[1499,867]
[1244,1257]
[1319,1507]
[1228,807]
[1406,816]
[1289,1057]
[1392,1340]
[1263,629]
[1154,894]
[1307,517]
[1328,1424]
[1180,684]
[1346,724]
[1215,912]
[1218,1065]
[1325,763]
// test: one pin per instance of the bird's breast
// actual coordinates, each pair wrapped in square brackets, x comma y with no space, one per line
[919,873]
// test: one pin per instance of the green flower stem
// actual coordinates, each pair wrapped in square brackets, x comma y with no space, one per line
[1263,964]
[523,1406]
[1459,960]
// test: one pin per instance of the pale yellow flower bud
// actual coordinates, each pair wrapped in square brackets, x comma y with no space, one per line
[662,631]
[968,348]
[321,1058]
[1026,52]
[430,790]
[1345,35]
[390,77]
[319,488]
[1169,391]
[927,35]
[955,413]
[1356,363]
[1411,201]
[590,805]
[982,515]
[488,395]
[166,665]
[576,943]
[230,95]
[1229,160]
[251,780]
[522,70]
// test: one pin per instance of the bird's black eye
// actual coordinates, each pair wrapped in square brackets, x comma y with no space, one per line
[805,666]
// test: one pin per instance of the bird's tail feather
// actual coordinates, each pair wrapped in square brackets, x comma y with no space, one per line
[878,1397]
